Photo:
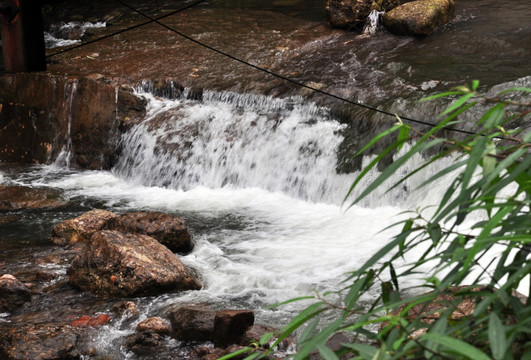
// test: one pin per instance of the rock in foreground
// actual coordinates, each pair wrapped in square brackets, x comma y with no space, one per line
[419,18]
[81,228]
[122,265]
[169,230]
[39,342]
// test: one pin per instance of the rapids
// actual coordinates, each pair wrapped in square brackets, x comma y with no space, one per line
[255,175]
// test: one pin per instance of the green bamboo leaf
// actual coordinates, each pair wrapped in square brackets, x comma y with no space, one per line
[378,137]
[456,346]
[474,159]
[403,135]
[458,103]
[265,338]
[515,89]
[290,301]
[326,353]
[437,96]
[497,339]
[475,84]
[367,352]
[236,353]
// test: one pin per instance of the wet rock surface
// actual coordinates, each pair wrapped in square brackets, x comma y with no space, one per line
[192,324]
[36,129]
[13,293]
[81,228]
[121,265]
[169,230]
[39,342]
[28,198]
[352,14]
[154,324]
[419,18]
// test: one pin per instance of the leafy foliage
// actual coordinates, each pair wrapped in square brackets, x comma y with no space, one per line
[468,306]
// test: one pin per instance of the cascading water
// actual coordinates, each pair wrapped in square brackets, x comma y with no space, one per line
[65,155]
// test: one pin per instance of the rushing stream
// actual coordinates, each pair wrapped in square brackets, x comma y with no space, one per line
[255,178]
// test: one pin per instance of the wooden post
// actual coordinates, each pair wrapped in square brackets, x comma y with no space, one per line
[22,35]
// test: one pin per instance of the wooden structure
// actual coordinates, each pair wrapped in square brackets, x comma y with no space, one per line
[22,35]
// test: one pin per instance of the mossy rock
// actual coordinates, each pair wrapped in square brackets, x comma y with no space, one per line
[419,18]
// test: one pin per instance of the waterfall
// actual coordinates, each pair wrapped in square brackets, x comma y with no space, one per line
[230,140]
[373,20]
[234,140]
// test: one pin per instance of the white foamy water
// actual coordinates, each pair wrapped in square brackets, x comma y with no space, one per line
[54,39]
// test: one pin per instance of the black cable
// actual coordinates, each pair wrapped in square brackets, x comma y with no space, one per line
[288,79]
[127,29]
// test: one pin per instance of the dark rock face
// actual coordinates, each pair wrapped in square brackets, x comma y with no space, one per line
[23,197]
[39,342]
[13,293]
[224,327]
[81,228]
[123,265]
[192,324]
[231,325]
[419,18]
[352,14]
[37,109]
[169,230]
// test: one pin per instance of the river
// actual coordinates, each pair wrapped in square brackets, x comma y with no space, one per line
[255,175]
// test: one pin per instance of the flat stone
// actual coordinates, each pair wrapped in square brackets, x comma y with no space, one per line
[27,198]
[80,229]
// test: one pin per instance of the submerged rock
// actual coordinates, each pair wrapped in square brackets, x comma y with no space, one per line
[89,321]
[353,13]
[81,228]
[39,342]
[419,18]
[13,293]
[125,309]
[24,197]
[122,265]
[169,230]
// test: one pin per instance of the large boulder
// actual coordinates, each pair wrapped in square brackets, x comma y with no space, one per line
[39,342]
[123,265]
[81,228]
[169,230]
[24,197]
[13,293]
[419,18]
[352,14]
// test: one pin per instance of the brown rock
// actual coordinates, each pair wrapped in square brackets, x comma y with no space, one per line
[122,265]
[81,228]
[192,323]
[39,342]
[13,293]
[419,18]
[35,128]
[169,230]
[352,14]
[154,324]
[89,321]
[23,197]
[230,326]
